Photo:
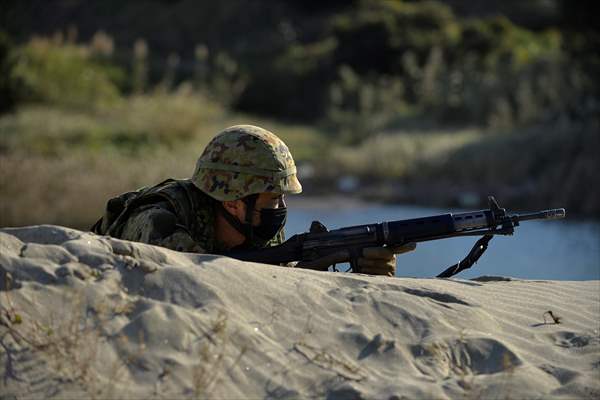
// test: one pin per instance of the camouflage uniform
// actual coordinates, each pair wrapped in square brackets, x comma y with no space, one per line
[146,226]
[180,214]
[157,223]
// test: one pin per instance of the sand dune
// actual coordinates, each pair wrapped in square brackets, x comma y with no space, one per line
[89,316]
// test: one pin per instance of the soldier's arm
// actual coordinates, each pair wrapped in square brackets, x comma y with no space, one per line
[156,224]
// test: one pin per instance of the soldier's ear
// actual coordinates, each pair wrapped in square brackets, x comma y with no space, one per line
[236,208]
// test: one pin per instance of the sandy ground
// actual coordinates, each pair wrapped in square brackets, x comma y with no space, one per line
[88,316]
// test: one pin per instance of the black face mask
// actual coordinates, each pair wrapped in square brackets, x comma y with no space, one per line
[271,222]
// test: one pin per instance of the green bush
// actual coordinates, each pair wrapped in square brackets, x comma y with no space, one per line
[132,126]
[360,107]
[395,155]
[374,36]
[496,40]
[371,39]
[417,60]
[64,74]
[60,165]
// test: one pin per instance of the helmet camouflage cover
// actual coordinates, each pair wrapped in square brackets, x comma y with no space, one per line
[244,160]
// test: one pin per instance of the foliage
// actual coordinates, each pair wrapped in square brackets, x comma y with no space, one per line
[374,36]
[552,164]
[381,64]
[497,40]
[134,126]
[60,166]
[359,107]
[65,74]
[225,82]
[372,75]
[448,55]
[397,155]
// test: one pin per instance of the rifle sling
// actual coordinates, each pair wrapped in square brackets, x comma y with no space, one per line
[477,251]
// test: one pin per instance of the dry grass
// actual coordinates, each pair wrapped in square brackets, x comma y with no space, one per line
[71,190]
[141,123]
[327,360]
[68,341]
[60,166]
[395,155]
[212,356]
[132,126]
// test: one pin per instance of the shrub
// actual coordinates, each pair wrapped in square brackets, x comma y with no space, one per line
[132,127]
[395,155]
[374,36]
[167,118]
[360,107]
[64,74]
[433,65]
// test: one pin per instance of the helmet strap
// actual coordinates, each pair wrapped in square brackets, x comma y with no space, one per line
[250,202]
[245,228]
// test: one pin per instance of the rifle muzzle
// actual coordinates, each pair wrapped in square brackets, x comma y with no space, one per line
[555,213]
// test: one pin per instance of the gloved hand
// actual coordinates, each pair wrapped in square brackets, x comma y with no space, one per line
[373,261]
[381,260]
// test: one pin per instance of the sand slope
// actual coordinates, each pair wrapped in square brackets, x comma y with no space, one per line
[84,315]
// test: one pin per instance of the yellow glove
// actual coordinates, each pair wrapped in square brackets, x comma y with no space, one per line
[373,261]
[381,260]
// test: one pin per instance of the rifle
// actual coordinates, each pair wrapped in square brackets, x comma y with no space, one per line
[320,243]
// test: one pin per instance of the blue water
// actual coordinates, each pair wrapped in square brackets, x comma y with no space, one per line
[558,250]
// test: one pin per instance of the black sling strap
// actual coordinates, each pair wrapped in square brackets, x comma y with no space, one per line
[477,251]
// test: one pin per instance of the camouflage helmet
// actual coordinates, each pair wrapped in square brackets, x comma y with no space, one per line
[244,160]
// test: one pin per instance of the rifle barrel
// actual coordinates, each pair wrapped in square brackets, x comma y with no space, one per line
[555,213]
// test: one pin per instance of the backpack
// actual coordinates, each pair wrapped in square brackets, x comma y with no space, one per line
[181,194]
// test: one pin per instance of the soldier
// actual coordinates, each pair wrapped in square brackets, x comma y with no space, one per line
[234,200]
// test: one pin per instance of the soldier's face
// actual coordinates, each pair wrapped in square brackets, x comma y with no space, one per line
[264,200]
